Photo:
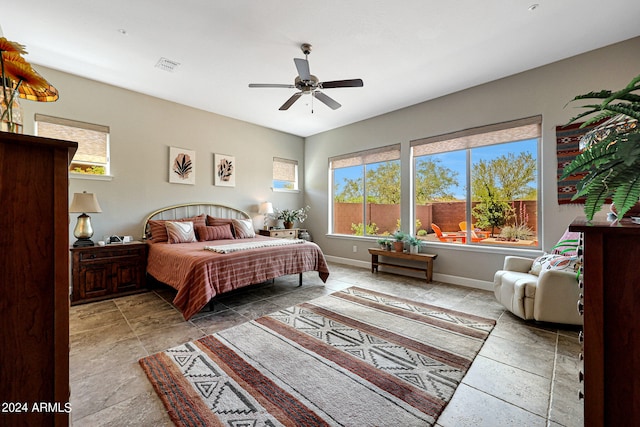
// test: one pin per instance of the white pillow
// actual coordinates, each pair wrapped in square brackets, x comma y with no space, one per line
[180,232]
[243,228]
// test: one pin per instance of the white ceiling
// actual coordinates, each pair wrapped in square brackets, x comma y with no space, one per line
[406,51]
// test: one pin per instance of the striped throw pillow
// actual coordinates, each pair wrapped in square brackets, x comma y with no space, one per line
[243,228]
[214,232]
[180,232]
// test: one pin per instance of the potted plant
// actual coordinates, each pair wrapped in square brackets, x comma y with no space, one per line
[398,244]
[610,157]
[384,244]
[414,244]
[289,216]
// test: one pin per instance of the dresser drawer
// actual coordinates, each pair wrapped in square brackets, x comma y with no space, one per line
[284,234]
[111,253]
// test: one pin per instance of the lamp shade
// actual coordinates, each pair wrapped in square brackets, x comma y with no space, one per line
[266,208]
[84,202]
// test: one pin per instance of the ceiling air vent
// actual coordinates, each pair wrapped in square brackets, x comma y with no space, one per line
[167,65]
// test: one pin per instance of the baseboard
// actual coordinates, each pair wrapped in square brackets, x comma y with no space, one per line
[446,278]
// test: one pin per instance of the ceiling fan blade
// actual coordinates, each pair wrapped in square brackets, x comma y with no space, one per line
[331,103]
[342,83]
[271,85]
[302,65]
[290,101]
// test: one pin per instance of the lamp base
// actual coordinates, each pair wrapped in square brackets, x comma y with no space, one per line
[81,243]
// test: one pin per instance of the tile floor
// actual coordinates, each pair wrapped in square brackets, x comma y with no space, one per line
[525,375]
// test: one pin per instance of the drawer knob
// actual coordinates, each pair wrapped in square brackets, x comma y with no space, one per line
[581,337]
[580,395]
[580,376]
[580,308]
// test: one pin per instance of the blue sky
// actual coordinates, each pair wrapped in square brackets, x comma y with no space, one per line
[456,161]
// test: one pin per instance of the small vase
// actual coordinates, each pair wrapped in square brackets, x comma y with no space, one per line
[398,246]
[304,235]
[414,249]
[288,224]
[11,120]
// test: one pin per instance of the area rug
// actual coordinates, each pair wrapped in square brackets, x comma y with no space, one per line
[352,358]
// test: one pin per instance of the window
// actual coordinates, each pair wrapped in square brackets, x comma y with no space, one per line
[92,156]
[366,192]
[285,174]
[486,177]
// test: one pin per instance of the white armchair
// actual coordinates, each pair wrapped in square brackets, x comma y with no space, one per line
[550,297]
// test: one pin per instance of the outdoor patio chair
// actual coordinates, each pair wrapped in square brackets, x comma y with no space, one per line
[447,237]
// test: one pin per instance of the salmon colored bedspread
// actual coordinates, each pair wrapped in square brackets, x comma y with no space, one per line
[199,275]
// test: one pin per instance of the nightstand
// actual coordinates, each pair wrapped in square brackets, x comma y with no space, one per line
[101,272]
[283,233]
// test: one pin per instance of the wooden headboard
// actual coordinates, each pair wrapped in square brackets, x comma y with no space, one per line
[186,210]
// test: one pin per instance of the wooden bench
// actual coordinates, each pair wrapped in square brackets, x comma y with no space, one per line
[427,259]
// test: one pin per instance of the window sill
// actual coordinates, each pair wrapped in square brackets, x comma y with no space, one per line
[90,177]
[284,190]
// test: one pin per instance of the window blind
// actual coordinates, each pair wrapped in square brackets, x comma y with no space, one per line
[376,155]
[92,139]
[284,169]
[511,131]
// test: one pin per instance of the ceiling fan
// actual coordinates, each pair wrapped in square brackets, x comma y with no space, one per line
[307,83]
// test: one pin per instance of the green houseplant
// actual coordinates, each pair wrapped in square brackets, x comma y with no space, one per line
[398,244]
[610,158]
[289,216]
[414,244]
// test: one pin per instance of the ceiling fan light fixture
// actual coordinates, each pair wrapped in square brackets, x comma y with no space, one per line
[307,83]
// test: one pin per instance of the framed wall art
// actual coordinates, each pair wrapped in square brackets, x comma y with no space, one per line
[224,170]
[182,166]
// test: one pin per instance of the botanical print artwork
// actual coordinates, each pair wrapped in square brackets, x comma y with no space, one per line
[225,170]
[182,164]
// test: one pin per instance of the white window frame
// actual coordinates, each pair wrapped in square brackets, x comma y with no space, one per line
[482,136]
[360,158]
[57,121]
[278,172]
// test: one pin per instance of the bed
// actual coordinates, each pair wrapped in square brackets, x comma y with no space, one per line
[219,261]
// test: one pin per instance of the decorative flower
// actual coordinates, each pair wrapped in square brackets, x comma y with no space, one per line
[289,215]
[7,46]
[19,78]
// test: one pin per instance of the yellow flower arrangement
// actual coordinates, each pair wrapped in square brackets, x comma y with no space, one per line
[19,78]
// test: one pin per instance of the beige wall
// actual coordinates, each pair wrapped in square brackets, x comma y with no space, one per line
[142,130]
[544,91]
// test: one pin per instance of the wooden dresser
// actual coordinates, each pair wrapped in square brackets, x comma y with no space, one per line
[34,280]
[611,333]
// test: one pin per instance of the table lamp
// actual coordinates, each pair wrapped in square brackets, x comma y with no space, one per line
[84,202]
[265,209]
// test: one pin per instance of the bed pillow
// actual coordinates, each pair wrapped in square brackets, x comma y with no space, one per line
[548,262]
[180,232]
[243,228]
[158,227]
[214,232]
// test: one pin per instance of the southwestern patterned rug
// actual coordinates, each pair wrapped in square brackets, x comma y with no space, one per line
[356,357]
